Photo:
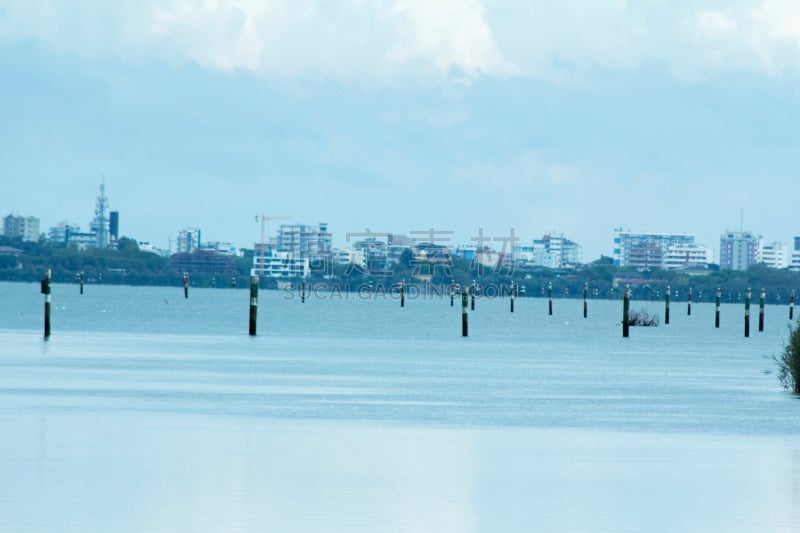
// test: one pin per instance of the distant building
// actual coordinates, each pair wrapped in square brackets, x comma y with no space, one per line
[224,248]
[375,254]
[203,261]
[550,251]
[103,232]
[794,261]
[308,241]
[10,250]
[687,257]
[60,234]
[295,251]
[188,240]
[15,226]
[776,255]
[349,256]
[739,250]
[483,256]
[395,246]
[113,226]
[281,265]
[146,246]
[82,240]
[658,250]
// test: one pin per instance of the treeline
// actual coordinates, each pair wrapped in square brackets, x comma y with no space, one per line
[126,265]
[131,266]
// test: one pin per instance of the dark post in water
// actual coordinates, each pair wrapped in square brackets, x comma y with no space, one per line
[402,293]
[511,296]
[80,280]
[472,291]
[689,302]
[666,306]
[626,305]
[46,291]
[585,299]
[186,284]
[452,292]
[303,292]
[761,309]
[716,318]
[253,303]
[791,305]
[747,313]
[464,316]
[549,298]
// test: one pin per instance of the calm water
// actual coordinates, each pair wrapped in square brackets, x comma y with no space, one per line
[146,411]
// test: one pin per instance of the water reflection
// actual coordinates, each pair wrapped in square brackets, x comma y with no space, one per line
[136,472]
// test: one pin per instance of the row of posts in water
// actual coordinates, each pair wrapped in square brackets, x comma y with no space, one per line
[748,296]
[468,296]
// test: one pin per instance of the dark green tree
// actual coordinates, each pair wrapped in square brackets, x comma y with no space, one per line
[789,362]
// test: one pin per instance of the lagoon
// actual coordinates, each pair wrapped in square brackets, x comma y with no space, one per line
[146,411]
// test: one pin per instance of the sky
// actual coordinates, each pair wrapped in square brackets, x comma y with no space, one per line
[572,117]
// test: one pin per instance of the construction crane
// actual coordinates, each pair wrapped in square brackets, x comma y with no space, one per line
[264,220]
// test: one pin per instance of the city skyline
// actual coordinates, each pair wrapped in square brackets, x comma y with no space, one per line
[453,115]
[190,236]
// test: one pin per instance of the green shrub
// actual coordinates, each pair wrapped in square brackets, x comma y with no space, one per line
[789,362]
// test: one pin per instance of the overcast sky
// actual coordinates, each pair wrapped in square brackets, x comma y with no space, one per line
[570,117]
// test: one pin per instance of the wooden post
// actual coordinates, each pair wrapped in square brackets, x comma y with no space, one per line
[716,317]
[549,298]
[452,292]
[303,292]
[585,299]
[45,289]
[253,303]
[761,309]
[689,303]
[80,279]
[666,305]
[402,293]
[511,296]
[472,292]
[233,282]
[464,316]
[791,305]
[186,284]
[747,313]
[626,305]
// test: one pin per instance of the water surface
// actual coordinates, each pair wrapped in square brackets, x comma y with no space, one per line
[146,411]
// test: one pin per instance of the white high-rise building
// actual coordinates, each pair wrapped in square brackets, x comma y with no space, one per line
[188,240]
[550,251]
[61,234]
[294,251]
[18,226]
[776,255]
[657,250]
[684,256]
[794,262]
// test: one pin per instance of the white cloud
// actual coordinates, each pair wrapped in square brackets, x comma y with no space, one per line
[380,40]
[447,33]
[355,39]
[715,23]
